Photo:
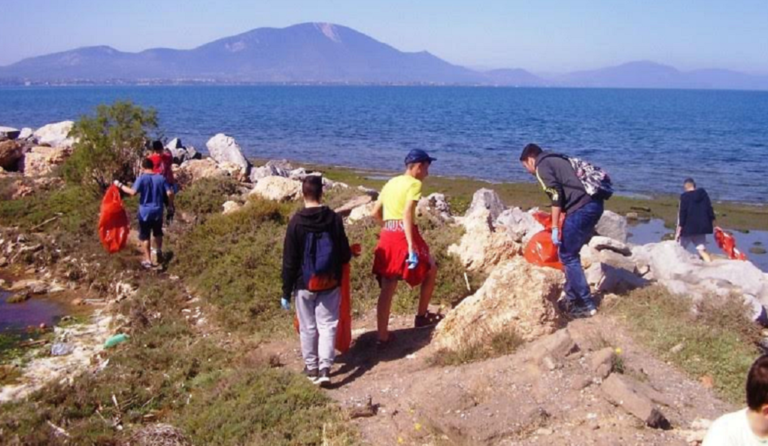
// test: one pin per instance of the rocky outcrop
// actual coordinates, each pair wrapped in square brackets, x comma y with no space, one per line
[277,189]
[482,247]
[26,133]
[55,135]
[487,199]
[194,170]
[520,225]
[41,160]
[683,273]
[181,153]
[612,225]
[347,208]
[517,296]
[605,278]
[361,212]
[436,208]
[636,399]
[8,133]
[10,154]
[224,149]
[267,170]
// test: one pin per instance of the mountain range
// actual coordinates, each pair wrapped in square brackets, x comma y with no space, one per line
[323,53]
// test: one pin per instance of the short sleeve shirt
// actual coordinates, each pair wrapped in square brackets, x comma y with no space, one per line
[733,430]
[397,194]
[151,190]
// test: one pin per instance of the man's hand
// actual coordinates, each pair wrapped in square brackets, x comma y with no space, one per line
[556,236]
[413,260]
[285,304]
[118,184]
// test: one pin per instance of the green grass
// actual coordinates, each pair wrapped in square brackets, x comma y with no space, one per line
[501,344]
[718,339]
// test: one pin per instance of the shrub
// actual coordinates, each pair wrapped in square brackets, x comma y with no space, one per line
[110,145]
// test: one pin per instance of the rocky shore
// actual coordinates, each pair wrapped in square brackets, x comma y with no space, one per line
[511,294]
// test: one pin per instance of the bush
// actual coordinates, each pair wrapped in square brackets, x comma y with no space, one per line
[206,196]
[110,145]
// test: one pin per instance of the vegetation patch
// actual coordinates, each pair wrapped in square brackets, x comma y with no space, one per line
[713,338]
[501,344]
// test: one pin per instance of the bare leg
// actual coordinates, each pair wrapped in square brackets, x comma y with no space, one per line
[705,255]
[427,289]
[145,250]
[384,307]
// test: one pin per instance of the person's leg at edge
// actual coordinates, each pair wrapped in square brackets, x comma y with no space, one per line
[327,317]
[305,310]
[427,288]
[144,233]
[384,306]
[701,247]
[577,229]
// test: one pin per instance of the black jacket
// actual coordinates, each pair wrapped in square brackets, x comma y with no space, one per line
[560,182]
[320,219]
[696,213]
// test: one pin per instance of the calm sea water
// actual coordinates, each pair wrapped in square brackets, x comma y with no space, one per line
[649,140]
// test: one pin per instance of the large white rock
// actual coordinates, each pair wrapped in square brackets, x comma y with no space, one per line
[517,296]
[612,225]
[606,278]
[520,225]
[361,212]
[601,243]
[482,247]
[194,170]
[41,160]
[489,200]
[277,189]
[436,207]
[224,149]
[25,133]
[267,170]
[55,135]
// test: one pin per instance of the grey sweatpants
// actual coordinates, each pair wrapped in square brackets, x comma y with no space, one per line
[318,317]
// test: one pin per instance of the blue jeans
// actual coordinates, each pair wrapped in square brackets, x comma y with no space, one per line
[577,230]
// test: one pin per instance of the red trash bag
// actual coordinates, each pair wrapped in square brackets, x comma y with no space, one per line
[727,243]
[113,221]
[542,252]
[344,327]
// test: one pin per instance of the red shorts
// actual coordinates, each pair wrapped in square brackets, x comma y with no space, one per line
[392,252]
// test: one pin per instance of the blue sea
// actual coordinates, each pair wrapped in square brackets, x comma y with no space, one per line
[648,140]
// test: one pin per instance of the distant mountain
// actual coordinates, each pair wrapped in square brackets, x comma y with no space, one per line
[515,78]
[309,52]
[327,53]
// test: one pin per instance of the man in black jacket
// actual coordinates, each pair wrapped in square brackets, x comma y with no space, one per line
[696,219]
[582,212]
[317,302]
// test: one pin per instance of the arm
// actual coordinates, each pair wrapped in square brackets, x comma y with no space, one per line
[291,261]
[556,210]
[124,188]
[345,252]
[552,187]
[409,217]
[378,212]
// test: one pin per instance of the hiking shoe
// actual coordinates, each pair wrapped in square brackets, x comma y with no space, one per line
[311,374]
[576,310]
[323,377]
[427,320]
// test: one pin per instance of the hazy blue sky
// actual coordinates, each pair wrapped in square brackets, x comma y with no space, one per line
[540,35]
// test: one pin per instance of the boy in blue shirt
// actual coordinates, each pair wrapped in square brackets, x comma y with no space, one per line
[152,189]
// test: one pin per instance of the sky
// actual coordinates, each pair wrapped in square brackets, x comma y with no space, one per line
[544,36]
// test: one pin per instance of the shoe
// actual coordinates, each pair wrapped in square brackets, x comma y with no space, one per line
[382,345]
[427,320]
[146,265]
[323,378]
[577,310]
[311,374]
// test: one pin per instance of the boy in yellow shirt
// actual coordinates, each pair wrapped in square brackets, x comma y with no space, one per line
[402,254]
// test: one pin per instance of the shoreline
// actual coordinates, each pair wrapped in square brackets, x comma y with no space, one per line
[732,215]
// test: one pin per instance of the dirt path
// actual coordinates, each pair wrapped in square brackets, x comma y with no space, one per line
[512,400]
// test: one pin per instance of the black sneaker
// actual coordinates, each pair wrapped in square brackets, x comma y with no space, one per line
[576,310]
[310,374]
[324,377]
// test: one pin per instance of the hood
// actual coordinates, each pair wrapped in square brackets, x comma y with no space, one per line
[315,219]
[697,195]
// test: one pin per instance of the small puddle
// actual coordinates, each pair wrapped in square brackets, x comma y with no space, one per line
[652,232]
[17,317]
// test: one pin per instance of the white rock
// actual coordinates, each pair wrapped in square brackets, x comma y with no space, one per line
[481,247]
[601,243]
[267,170]
[520,225]
[230,207]
[278,189]
[55,135]
[42,160]
[612,225]
[435,205]
[224,149]
[361,212]
[487,199]
[25,133]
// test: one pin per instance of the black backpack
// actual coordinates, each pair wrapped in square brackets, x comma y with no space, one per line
[320,262]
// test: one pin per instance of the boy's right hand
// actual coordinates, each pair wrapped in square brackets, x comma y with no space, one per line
[118,184]
[413,260]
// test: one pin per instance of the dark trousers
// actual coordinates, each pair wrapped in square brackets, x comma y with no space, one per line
[578,228]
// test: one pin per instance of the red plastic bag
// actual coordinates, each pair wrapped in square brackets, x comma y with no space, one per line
[113,221]
[542,252]
[344,327]
[727,243]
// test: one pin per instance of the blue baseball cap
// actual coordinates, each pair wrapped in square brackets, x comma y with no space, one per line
[418,156]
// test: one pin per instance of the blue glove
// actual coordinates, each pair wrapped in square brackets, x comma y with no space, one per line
[413,260]
[556,236]
[285,303]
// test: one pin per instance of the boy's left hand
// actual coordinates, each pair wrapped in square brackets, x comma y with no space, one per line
[285,304]
[413,260]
